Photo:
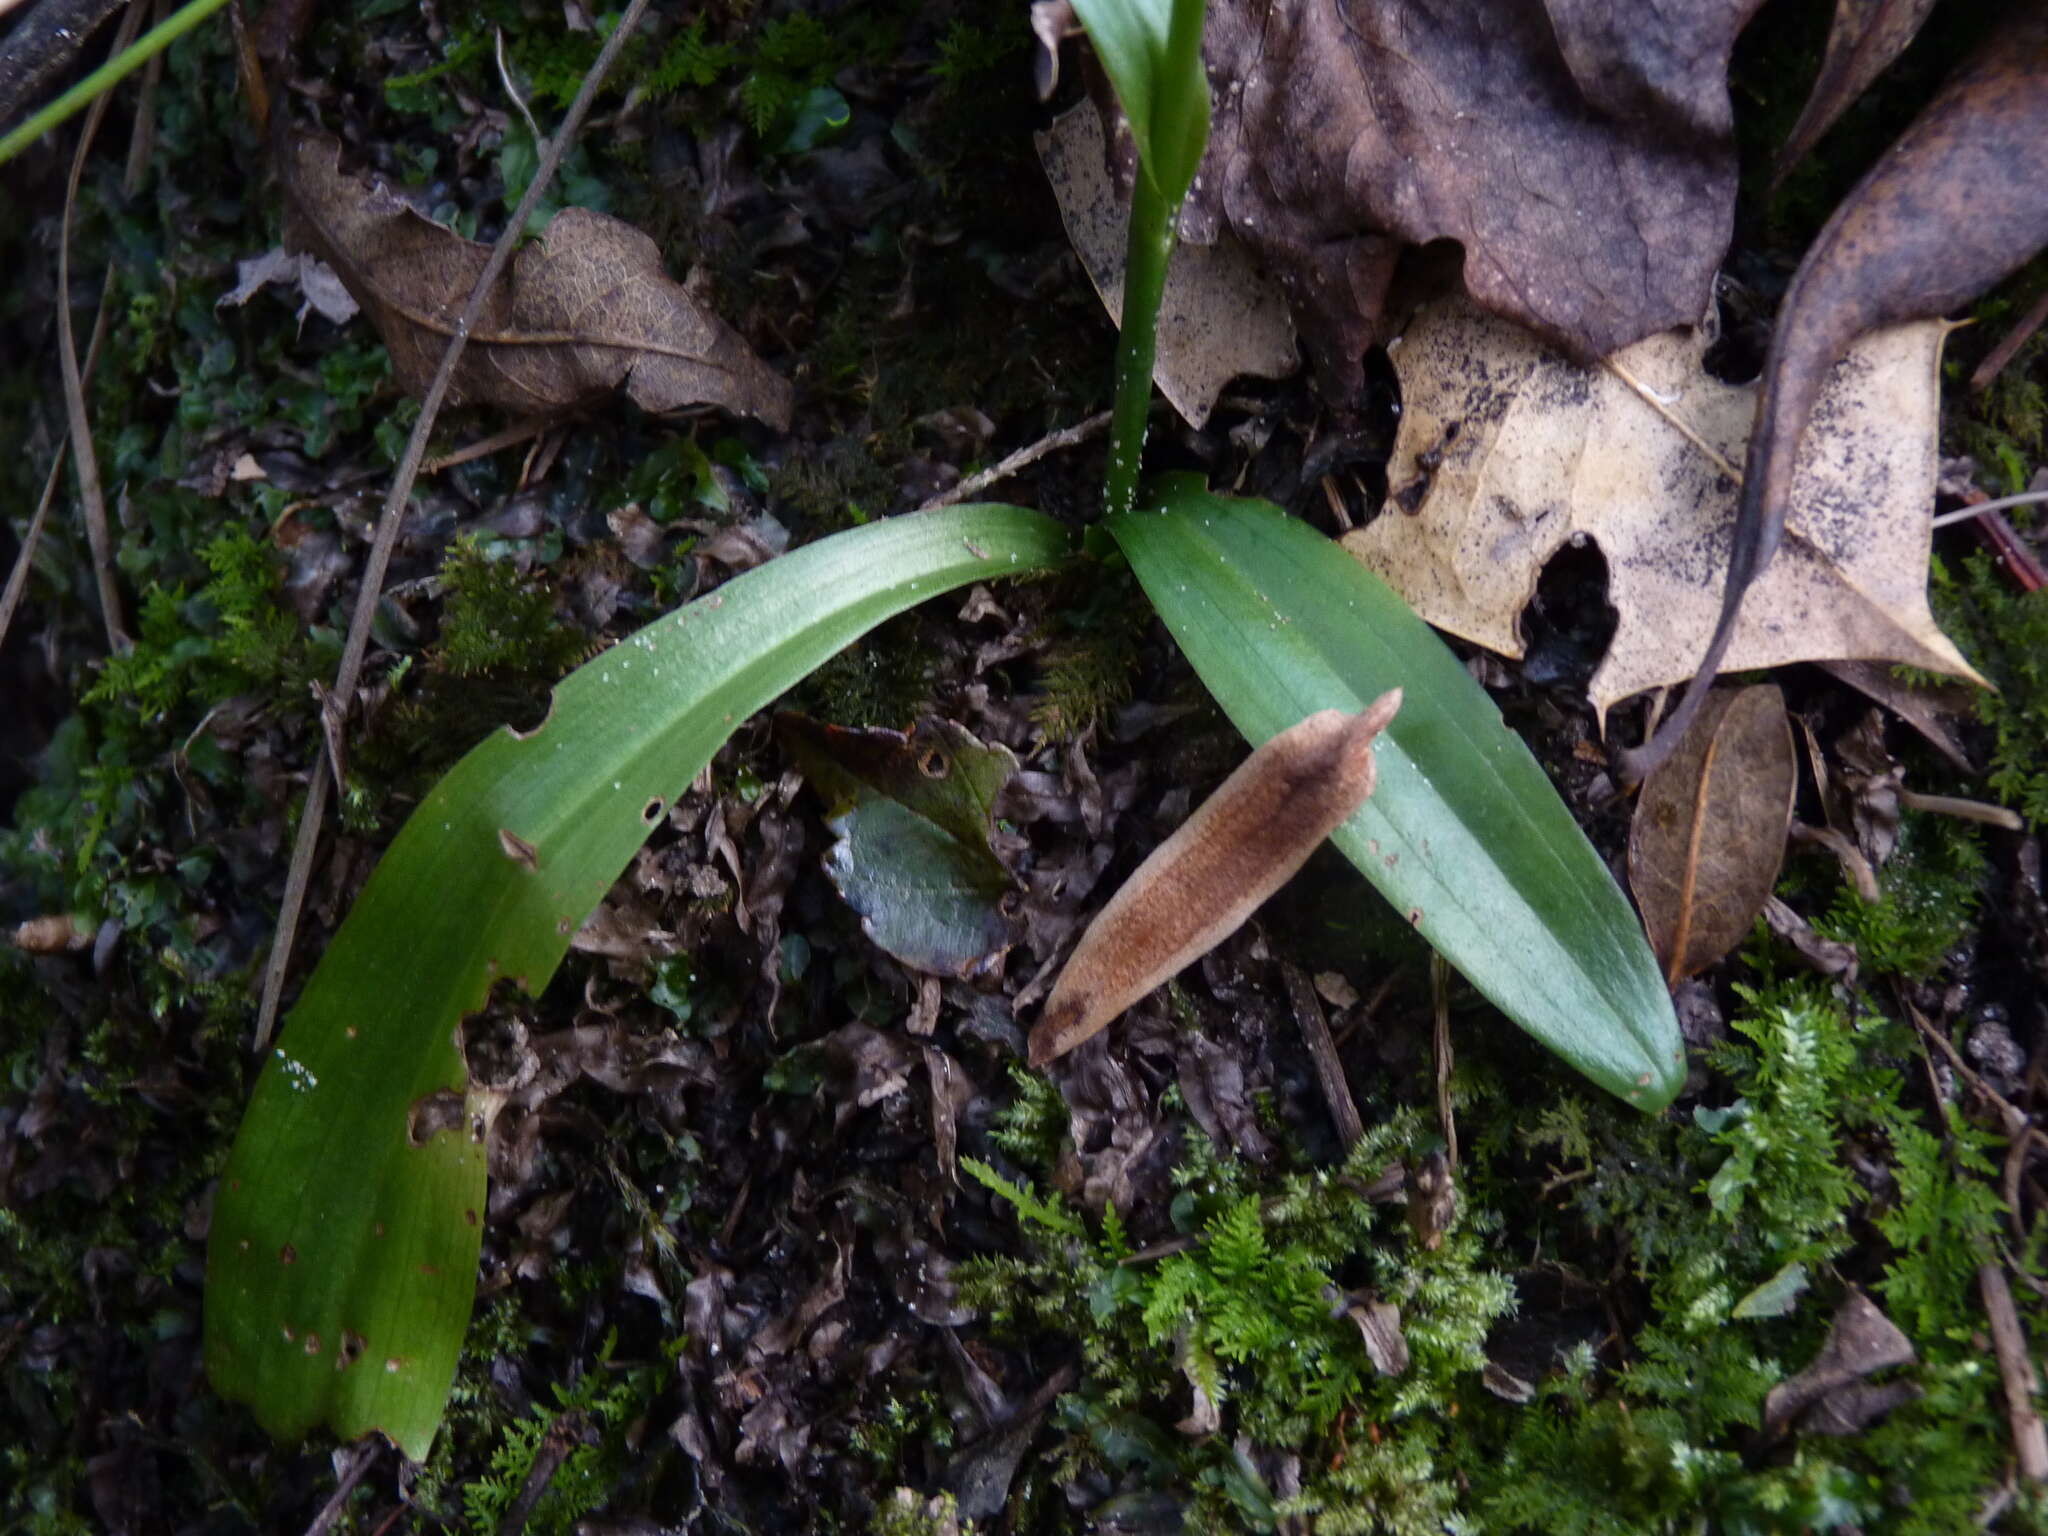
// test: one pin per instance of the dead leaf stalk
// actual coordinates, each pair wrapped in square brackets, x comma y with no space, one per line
[91,497]
[1022,459]
[391,519]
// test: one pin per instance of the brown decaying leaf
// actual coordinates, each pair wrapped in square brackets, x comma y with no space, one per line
[1581,151]
[1867,35]
[1949,210]
[588,308]
[1709,830]
[1220,316]
[1508,451]
[1861,1342]
[1238,848]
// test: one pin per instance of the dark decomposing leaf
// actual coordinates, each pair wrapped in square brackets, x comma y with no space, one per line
[587,308]
[1947,212]
[1581,153]
[1709,831]
[913,818]
[1867,35]
[1832,1396]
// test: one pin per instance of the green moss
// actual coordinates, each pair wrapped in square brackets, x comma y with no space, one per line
[1253,1313]
[1930,890]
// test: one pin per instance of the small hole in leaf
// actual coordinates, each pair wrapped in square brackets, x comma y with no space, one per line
[933,765]
[289,1336]
[391,1365]
[312,1344]
[287,1254]
[352,1346]
[653,812]
[470,1216]
[1415,914]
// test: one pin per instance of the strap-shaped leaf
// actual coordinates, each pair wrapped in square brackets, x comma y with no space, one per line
[341,1266]
[1465,834]
[1152,52]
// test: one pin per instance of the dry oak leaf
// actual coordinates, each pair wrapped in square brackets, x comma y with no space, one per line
[1638,455]
[586,309]
[1219,317]
[1580,151]
[1709,829]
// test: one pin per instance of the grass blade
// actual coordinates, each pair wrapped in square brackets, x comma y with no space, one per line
[1465,834]
[341,1265]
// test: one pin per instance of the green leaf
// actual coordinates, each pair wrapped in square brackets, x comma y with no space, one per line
[1152,52]
[913,815]
[342,1262]
[1464,835]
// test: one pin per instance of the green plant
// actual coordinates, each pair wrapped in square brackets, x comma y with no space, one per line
[107,76]
[338,1284]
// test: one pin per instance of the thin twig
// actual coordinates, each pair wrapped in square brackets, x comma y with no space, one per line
[1963,810]
[17,579]
[2016,1370]
[1994,363]
[1440,991]
[365,1455]
[1684,428]
[1964,514]
[1322,1050]
[392,518]
[1023,458]
[92,500]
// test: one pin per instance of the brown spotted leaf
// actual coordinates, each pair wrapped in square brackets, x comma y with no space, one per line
[1709,829]
[1509,452]
[585,310]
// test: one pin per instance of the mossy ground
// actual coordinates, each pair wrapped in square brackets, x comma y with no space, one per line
[1593,1335]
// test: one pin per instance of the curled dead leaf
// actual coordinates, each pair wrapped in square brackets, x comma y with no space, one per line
[1709,830]
[587,308]
[1197,887]
[1936,222]
[1866,36]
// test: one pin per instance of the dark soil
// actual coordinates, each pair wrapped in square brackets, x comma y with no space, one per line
[735,1275]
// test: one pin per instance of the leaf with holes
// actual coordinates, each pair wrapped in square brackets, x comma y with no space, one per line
[1465,834]
[342,1260]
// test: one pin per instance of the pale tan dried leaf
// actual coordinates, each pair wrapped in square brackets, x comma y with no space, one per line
[1638,456]
[586,310]
[1220,316]
[1709,829]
